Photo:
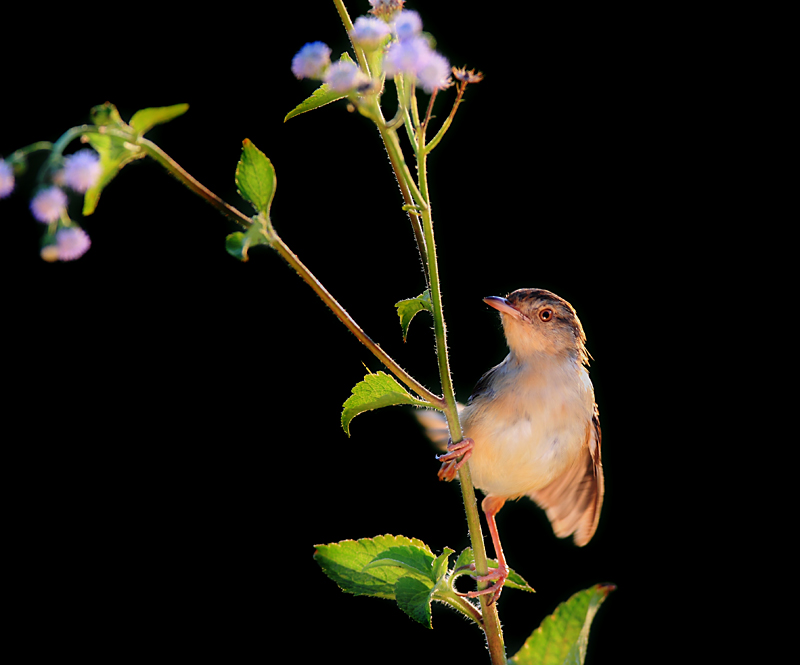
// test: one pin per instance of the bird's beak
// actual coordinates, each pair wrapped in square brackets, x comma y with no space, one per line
[504,307]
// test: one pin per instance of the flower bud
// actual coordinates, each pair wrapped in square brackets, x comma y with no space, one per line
[369,33]
[48,204]
[311,61]
[82,170]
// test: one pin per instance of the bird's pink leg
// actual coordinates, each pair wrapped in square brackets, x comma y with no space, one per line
[491,506]
[450,462]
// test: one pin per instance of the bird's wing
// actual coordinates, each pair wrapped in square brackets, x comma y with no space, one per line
[573,500]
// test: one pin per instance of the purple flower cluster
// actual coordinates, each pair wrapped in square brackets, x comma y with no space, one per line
[65,240]
[409,52]
[412,55]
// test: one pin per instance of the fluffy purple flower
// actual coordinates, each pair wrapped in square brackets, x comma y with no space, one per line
[311,61]
[48,204]
[434,74]
[408,24]
[406,57]
[369,33]
[82,170]
[343,76]
[72,243]
[6,179]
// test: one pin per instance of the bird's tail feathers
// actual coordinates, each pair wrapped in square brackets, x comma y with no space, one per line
[435,426]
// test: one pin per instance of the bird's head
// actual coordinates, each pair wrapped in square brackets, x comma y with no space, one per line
[539,321]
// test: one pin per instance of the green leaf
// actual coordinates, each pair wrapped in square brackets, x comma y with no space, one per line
[414,598]
[320,97]
[145,119]
[514,580]
[116,152]
[255,177]
[464,559]
[346,564]
[439,568]
[375,391]
[412,559]
[563,636]
[407,309]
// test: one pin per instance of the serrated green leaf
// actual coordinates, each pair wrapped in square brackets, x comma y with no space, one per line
[320,97]
[375,391]
[255,177]
[344,563]
[407,309]
[145,119]
[563,636]
[414,598]
[412,559]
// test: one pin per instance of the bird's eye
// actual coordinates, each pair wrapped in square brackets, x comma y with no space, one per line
[546,314]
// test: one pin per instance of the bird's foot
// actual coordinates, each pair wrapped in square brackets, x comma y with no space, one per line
[497,575]
[450,460]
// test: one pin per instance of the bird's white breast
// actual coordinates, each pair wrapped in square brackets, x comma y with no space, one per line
[530,426]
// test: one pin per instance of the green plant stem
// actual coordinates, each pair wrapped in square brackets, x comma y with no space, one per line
[463,606]
[491,620]
[340,312]
[194,185]
[409,190]
[446,124]
[348,26]
[28,149]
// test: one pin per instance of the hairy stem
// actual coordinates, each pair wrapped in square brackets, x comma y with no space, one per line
[352,326]
[194,185]
[491,620]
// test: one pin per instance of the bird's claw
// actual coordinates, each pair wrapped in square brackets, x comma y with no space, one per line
[497,575]
[450,460]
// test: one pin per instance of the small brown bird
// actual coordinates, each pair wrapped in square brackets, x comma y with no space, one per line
[531,426]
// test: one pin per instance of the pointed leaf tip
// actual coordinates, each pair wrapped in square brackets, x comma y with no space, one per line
[408,309]
[320,97]
[145,119]
[563,636]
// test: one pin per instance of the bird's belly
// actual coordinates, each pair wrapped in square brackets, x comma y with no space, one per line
[522,450]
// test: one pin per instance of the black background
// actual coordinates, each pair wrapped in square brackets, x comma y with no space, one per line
[178,451]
